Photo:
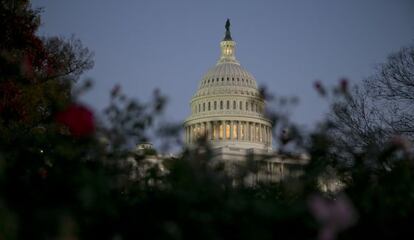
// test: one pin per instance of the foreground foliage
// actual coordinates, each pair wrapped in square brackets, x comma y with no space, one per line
[66,175]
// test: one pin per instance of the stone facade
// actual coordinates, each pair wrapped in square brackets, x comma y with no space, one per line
[229,112]
[228,108]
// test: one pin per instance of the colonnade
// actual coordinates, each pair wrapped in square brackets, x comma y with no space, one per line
[229,130]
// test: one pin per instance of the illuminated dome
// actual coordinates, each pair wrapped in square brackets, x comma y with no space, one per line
[227,108]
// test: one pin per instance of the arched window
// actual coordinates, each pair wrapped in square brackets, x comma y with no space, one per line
[221,105]
[209,106]
[215,105]
[228,104]
[234,105]
[240,105]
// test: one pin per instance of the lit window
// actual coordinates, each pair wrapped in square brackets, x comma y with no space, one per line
[234,130]
[227,131]
[221,131]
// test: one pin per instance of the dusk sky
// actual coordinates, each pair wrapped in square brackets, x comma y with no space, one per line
[286,45]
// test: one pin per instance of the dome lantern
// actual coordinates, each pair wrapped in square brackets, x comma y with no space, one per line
[227,47]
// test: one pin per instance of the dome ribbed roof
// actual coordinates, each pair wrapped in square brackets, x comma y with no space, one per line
[227,74]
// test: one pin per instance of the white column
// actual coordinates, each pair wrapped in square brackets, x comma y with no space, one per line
[231,130]
[247,138]
[264,134]
[246,131]
[262,138]
[209,133]
[215,125]
[253,132]
[220,127]
[269,135]
[239,130]
[191,134]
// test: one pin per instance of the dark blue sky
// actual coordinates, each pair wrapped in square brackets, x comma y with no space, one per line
[286,45]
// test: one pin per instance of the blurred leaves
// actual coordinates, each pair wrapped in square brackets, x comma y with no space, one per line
[80,177]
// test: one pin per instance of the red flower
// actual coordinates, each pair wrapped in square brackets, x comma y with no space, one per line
[78,119]
[27,66]
[42,172]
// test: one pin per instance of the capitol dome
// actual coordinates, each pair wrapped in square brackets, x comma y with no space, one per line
[228,108]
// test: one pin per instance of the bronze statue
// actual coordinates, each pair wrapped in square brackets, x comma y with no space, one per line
[228,25]
[227,37]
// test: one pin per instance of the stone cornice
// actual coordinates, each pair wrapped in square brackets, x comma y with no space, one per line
[228,117]
[226,96]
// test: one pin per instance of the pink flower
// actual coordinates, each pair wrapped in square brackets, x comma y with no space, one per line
[78,119]
[334,215]
[42,172]
[401,142]
[343,85]
[115,90]
[319,88]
